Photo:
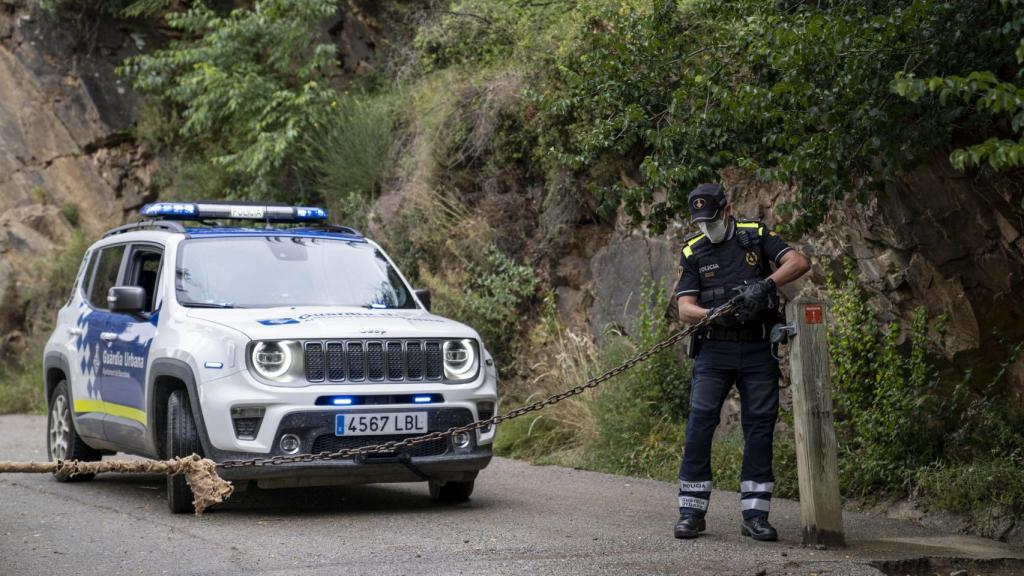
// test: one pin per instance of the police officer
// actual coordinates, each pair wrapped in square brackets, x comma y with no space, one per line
[726,258]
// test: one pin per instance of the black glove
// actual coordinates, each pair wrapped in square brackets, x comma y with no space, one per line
[753,298]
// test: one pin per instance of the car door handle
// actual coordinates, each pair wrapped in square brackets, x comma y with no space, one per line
[108,336]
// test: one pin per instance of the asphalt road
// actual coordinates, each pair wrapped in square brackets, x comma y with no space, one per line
[522,520]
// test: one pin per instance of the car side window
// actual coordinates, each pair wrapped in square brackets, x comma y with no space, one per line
[143,271]
[108,264]
[84,274]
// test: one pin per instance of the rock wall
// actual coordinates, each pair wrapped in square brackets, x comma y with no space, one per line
[948,242]
[67,156]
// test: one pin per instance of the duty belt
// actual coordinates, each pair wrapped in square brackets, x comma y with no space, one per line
[749,333]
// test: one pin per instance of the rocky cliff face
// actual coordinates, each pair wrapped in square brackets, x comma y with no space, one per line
[67,157]
[936,239]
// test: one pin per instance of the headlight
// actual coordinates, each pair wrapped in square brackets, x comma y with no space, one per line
[461,360]
[272,359]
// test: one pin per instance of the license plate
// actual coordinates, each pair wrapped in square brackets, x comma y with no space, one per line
[380,423]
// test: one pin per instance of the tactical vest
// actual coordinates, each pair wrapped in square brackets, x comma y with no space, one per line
[748,235]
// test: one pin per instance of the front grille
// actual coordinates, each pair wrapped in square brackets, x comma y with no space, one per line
[356,362]
[314,360]
[373,360]
[332,443]
[414,361]
[335,361]
[435,362]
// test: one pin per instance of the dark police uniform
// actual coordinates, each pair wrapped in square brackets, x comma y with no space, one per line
[731,352]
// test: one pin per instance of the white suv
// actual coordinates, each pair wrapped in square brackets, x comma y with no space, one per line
[250,342]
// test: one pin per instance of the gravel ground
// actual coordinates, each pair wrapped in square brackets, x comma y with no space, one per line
[522,519]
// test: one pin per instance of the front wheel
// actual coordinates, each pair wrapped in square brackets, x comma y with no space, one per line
[451,491]
[62,440]
[182,439]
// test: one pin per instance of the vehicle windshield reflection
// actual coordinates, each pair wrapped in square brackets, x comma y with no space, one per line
[270,271]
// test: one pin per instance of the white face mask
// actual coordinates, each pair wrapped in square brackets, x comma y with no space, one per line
[715,230]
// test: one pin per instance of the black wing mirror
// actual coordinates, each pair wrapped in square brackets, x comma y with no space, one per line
[127,299]
[423,294]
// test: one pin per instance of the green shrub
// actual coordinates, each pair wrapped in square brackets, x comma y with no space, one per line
[489,296]
[886,399]
[351,156]
[69,210]
[665,377]
[633,436]
[797,92]
[21,386]
[968,487]
[119,8]
[244,91]
[898,423]
[487,32]
[631,424]
[21,377]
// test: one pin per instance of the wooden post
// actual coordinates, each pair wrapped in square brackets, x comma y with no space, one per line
[821,512]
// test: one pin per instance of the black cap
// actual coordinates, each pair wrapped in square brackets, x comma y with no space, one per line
[705,202]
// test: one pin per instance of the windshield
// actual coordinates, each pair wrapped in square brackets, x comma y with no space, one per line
[268,271]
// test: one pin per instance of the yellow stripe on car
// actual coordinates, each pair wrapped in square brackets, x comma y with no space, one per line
[110,408]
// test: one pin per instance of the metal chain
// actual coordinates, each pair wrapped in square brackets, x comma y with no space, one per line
[392,445]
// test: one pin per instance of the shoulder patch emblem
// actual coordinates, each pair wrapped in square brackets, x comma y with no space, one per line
[752,258]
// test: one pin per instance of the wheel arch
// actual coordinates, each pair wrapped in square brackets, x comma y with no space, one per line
[55,369]
[165,376]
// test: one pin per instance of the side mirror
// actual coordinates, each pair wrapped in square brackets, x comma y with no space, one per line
[127,299]
[424,297]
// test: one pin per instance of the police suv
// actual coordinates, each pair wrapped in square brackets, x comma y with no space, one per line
[186,334]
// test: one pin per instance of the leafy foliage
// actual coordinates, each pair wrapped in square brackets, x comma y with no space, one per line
[243,90]
[887,402]
[900,427]
[351,155]
[21,378]
[489,296]
[93,8]
[988,94]
[796,92]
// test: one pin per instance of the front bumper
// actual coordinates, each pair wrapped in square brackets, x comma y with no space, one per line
[438,460]
[454,468]
[220,398]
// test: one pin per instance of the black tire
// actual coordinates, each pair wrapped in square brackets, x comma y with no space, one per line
[62,439]
[182,440]
[451,491]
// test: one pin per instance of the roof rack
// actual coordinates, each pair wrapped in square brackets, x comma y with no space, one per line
[337,228]
[165,225]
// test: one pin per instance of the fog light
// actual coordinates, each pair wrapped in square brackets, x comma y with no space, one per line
[460,440]
[290,444]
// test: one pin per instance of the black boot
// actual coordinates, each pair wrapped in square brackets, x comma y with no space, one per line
[689,526]
[758,528]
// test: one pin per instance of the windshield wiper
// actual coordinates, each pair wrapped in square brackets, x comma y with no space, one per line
[209,305]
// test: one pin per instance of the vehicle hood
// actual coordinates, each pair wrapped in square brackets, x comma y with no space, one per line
[313,322]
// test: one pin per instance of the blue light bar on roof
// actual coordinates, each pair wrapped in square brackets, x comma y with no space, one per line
[169,209]
[264,213]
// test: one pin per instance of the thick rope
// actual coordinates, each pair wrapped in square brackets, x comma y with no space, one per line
[207,487]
